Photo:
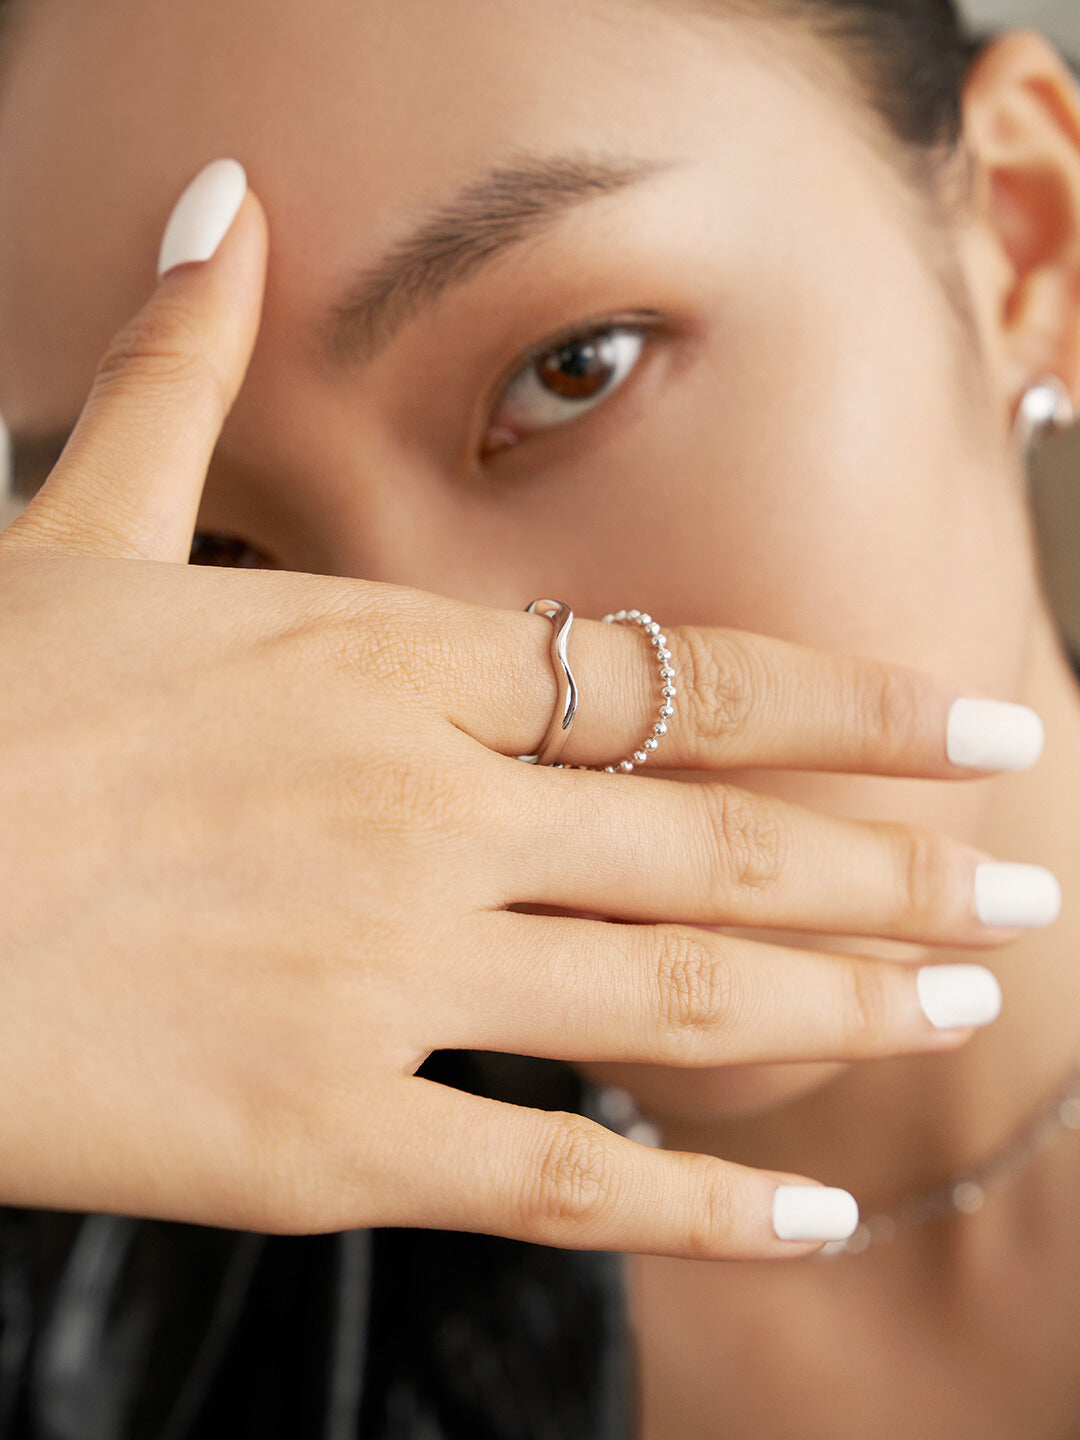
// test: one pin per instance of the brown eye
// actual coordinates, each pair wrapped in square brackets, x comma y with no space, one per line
[565,381]
[208,548]
[580,370]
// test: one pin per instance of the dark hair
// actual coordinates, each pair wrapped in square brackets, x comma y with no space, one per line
[908,59]
[910,55]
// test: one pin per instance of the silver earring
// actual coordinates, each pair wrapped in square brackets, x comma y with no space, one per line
[1047,406]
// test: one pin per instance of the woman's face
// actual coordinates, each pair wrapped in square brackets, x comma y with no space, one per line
[781,426]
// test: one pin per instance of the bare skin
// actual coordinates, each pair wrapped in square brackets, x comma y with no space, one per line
[815,452]
[265,849]
[966,1328]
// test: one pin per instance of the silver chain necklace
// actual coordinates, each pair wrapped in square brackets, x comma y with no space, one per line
[963,1194]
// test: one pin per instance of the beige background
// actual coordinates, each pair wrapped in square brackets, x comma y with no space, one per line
[1056,493]
[1056,472]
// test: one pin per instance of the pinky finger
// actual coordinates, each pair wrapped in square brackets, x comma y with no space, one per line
[556,1178]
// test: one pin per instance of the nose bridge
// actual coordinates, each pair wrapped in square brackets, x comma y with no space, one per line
[351,496]
[421,530]
[344,500]
[417,530]
[353,492]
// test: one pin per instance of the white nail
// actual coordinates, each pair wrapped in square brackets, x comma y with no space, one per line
[1024,896]
[201,217]
[813,1212]
[955,997]
[993,735]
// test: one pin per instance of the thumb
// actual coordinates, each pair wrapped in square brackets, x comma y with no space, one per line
[131,476]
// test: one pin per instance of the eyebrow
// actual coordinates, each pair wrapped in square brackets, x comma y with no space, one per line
[488,216]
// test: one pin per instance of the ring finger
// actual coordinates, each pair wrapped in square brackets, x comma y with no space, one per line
[582,990]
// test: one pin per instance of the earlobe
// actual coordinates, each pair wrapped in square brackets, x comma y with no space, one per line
[1022,133]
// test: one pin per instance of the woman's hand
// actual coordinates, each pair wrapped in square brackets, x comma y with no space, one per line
[260,833]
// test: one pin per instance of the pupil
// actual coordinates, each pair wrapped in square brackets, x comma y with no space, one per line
[577,371]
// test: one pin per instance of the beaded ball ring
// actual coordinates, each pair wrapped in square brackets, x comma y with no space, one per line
[658,640]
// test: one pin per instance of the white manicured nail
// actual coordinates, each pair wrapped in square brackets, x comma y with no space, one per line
[993,735]
[1025,896]
[955,997]
[813,1212]
[201,217]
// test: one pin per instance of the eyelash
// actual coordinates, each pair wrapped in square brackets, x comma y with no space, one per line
[604,339]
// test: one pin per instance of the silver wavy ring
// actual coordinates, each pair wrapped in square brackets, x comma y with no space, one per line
[558,731]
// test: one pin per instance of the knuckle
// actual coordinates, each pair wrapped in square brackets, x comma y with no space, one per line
[695,985]
[300,1194]
[425,796]
[166,348]
[863,1002]
[278,1205]
[921,870]
[717,1210]
[299,1147]
[889,706]
[718,681]
[278,1196]
[403,654]
[408,797]
[748,848]
[574,1179]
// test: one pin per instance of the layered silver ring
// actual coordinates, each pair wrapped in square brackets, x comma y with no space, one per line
[558,731]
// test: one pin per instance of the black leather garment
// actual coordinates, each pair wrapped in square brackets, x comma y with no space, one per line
[118,1329]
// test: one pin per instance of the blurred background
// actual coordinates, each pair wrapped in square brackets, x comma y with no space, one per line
[1060,19]
[1056,467]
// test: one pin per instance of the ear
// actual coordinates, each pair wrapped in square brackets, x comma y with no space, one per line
[1022,133]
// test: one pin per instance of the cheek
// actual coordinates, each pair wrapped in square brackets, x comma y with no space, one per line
[824,481]
[821,482]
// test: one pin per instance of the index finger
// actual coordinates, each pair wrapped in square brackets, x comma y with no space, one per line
[741,700]
[131,476]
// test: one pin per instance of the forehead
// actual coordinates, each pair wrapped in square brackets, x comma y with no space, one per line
[347,113]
